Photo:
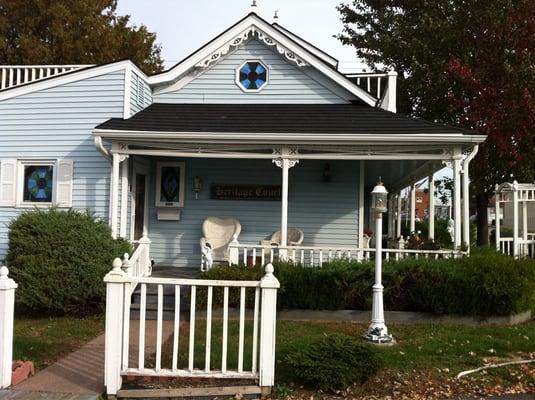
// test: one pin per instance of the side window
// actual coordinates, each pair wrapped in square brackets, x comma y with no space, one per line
[31,183]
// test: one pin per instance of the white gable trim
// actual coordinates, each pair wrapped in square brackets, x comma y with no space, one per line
[270,36]
[314,50]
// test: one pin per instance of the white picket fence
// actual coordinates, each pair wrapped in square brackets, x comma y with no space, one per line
[118,360]
[309,256]
[16,75]
[7,308]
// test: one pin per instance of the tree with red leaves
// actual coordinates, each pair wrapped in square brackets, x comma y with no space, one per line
[465,62]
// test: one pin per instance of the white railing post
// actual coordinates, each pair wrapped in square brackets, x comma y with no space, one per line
[234,252]
[145,257]
[7,306]
[115,282]
[268,322]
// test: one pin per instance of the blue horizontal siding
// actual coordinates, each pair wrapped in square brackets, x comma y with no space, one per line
[287,83]
[326,212]
[57,123]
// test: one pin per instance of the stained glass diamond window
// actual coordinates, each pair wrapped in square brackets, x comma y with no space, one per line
[38,183]
[252,76]
[170,185]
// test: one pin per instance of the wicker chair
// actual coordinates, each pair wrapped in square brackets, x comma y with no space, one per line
[218,233]
[295,238]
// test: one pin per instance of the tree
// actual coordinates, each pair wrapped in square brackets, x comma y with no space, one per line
[465,62]
[73,32]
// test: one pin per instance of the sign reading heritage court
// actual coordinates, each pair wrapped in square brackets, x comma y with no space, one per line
[246,192]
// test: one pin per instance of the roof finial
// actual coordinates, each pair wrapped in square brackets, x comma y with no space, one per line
[276,16]
[254,6]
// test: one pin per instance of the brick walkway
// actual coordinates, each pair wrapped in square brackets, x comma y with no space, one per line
[81,373]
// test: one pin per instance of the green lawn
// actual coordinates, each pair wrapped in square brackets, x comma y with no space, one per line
[44,340]
[423,351]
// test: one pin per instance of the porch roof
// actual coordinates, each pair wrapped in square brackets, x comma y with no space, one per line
[312,119]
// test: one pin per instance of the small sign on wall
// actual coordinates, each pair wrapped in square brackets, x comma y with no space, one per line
[246,192]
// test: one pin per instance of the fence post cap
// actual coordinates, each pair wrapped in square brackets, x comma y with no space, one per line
[144,239]
[5,281]
[116,274]
[269,280]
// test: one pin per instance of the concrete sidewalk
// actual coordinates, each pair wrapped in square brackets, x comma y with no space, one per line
[82,372]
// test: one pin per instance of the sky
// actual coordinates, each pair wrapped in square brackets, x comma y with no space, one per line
[183,26]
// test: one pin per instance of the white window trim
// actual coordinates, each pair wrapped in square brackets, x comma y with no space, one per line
[182,187]
[20,203]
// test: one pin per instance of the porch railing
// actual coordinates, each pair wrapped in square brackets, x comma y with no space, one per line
[139,264]
[315,256]
[119,363]
[525,247]
[16,75]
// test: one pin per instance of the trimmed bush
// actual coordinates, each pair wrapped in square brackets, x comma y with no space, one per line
[59,260]
[333,362]
[484,284]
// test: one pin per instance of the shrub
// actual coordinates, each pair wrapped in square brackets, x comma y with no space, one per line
[333,362]
[59,260]
[484,284]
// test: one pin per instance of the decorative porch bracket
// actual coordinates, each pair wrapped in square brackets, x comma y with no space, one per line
[281,160]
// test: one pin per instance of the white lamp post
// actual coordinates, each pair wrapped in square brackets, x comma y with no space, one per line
[377,331]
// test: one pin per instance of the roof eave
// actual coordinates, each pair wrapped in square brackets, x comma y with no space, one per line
[305,138]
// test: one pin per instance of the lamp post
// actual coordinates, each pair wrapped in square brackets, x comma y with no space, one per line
[377,331]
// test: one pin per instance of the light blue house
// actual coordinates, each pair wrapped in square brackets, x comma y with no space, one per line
[257,126]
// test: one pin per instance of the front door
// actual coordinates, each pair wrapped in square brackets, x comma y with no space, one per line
[140,193]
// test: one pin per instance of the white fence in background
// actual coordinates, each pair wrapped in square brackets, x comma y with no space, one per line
[7,306]
[313,256]
[118,306]
[15,75]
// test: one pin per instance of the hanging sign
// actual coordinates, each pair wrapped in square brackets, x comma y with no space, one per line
[246,192]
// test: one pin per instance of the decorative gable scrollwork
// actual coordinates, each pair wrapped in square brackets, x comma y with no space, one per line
[249,33]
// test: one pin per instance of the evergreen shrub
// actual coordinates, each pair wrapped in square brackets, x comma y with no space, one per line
[483,284]
[333,362]
[59,260]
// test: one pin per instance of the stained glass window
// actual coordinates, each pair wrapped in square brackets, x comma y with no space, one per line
[170,184]
[252,76]
[38,183]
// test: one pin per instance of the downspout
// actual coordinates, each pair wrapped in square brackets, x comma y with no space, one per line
[100,147]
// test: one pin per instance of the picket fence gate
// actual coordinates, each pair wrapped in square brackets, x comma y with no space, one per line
[118,360]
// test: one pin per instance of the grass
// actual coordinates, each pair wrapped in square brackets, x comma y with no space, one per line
[45,340]
[419,345]
[436,351]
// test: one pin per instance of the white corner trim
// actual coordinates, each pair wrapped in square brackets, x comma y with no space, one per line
[127,92]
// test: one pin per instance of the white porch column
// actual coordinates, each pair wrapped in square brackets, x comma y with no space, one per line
[398,225]
[285,163]
[466,209]
[124,198]
[390,217]
[117,159]
[515,220]
[466,197]
[412,227]
[457,198]
[114,194]
[497,219]
[361,204]
[431,212]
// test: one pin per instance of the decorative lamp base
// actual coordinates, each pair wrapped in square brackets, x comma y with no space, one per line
[379,336]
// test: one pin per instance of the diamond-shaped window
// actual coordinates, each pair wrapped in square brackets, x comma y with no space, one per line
[252,76]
